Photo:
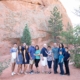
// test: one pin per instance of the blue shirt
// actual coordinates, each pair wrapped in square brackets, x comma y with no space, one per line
[36,53]
[43,52]
[13,50]
[55,53]
[66,56]
[61,58]
[62,50]
[32,51]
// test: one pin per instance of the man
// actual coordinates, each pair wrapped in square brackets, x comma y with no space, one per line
[44,58]
[32,56]
[55,56]
[13,52]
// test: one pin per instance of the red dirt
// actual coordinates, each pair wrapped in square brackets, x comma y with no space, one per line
[75,75]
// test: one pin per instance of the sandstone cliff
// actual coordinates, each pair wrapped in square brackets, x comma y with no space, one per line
[14,14]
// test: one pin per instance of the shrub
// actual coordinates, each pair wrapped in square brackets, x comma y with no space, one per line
[77,60]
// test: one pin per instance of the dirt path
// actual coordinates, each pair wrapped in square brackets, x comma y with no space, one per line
[75,75]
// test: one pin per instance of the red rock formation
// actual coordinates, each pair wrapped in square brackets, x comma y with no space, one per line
[14,14]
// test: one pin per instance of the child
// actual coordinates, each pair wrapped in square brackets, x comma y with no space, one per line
[66,61]
[49,58]
[61,57]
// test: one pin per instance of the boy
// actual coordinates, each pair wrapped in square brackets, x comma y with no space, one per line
[49,58]
[61,57]
[13,52]
[66,61]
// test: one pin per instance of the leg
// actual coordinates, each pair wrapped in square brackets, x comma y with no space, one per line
[62,71]
[67,67]
[37,64]
[55,65]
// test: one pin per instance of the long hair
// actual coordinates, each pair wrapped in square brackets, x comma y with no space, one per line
[19,50]
[37,47]
[61,45]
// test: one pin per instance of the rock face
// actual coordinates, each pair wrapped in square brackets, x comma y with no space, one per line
[15,14]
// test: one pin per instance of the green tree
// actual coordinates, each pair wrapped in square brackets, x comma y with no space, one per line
[26,37]
[55,23]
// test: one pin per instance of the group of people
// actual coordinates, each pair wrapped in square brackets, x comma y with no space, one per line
[28,55]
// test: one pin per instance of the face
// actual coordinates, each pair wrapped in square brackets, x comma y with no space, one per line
[33,44]
[60,53]
[66,49]
[20,47]
[26,46]
[36,47]
[45,45]
[15,45]
[60,45]
[55,44]
[49,48]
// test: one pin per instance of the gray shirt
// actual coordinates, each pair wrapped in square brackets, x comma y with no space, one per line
[50,56]
[55,53]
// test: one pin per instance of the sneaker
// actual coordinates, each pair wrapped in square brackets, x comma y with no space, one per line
[12,74]
[31,72]
[49,72]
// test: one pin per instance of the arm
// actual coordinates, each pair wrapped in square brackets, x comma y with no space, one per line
[25,55]
[17,55]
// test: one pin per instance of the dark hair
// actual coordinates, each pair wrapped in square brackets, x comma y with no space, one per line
[14,43]
[19,49]
[66,47]
[61,45]
[37,47]
[49,46]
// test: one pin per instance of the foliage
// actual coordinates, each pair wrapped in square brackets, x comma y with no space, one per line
[26,37]
[55,23]
[77,60]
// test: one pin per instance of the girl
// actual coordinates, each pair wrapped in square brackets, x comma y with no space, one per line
[61,58]
[26,58]
[49,58]
[19,59]
[66,61]
[37,58]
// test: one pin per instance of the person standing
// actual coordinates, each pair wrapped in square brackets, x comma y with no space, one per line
[13,52]
[19,59]
[37,58]
[49,58]
[23,48]
[66,61]
[61,59]
[55,56]
[44,58]
[26,58]
[32,56]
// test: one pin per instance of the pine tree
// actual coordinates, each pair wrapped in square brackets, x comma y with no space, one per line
[26,37]
[55,23]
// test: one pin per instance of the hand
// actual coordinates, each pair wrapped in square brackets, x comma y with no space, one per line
[42,59]
[30,58]
[25,60]
[18,60]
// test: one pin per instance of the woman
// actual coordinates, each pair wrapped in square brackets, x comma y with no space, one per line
[26,58]
[61,48]
[37,58]
[19,59]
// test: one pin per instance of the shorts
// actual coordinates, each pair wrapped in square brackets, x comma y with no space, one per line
[44,62]
[31,61]
[13,60]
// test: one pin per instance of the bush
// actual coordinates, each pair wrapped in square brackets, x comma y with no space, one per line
[77,60]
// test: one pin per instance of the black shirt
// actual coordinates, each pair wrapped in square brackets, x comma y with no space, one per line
[66,56]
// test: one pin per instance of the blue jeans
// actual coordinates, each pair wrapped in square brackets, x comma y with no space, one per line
[61,68]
